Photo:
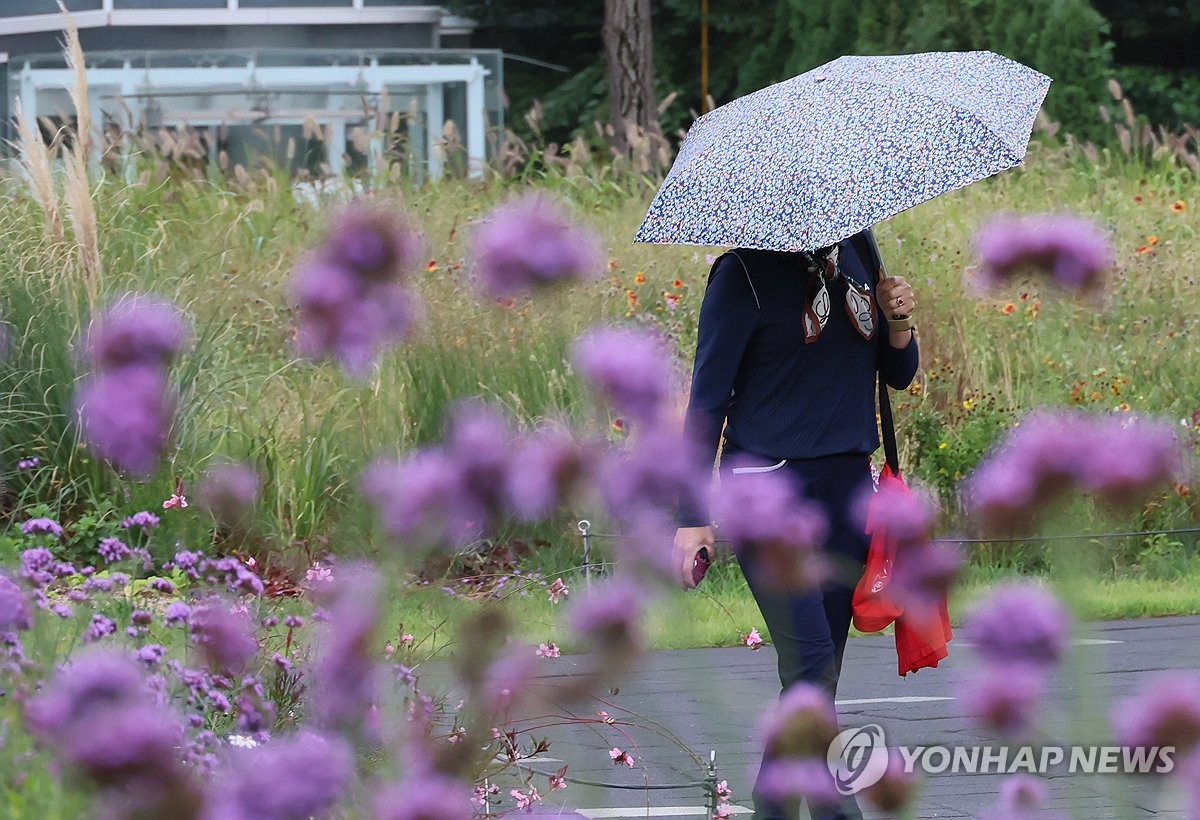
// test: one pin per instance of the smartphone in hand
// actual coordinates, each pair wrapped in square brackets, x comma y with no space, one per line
[700,565]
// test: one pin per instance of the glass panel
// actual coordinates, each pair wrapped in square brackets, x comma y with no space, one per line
[169,4]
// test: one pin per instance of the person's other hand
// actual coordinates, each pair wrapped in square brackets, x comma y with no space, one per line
[895,297]
[688,542]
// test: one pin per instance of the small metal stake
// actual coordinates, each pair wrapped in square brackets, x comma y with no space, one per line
[585,529]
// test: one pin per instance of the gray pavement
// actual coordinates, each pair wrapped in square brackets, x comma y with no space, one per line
[678,706]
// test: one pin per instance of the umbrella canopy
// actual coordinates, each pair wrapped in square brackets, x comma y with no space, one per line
[810,161]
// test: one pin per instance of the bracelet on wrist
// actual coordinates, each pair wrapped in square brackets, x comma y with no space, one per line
[900,325]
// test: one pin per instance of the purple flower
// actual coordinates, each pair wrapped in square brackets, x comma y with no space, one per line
[36,565]
[125,416]
[1023,797]
[139,329]
[112,549]
[802,724]
[479,441]
[549,469]
[761,512]
[606,616]
[350,302]
[177,613]
[1068,248]
[151,655]
[141,617]
[903,515]
[100,627]
[99,716]
[226,638]
[144,519]
[791,780]
[630,368]
[1032,467]
[42,526]
[372,242]
[1131,457]
[229,492]
[302,775]
[421,500]
[924,577]
[656,472]
[1164,712]
[1020,622]
[344,675]
[28,463]
[1006,698]
[424,795]
[15,614]
[529,243]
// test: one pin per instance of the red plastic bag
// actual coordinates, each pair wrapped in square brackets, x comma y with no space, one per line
[921,635]
[873,610]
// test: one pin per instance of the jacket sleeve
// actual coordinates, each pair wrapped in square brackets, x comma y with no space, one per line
[897,367]
[728,317]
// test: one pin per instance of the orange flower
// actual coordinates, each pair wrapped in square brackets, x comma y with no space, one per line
[1152,240]
[1007,309]
[1137,199]
[1179,207]
[618,425]
[639,278]
[1144,249]
[677,284]
[612,264]
[630,297]
[432,266]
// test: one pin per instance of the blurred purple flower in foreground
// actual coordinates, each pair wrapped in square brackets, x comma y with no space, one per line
[15,615]
[1023,797]
[1119,458]
[550,468]
[229,492]
[345,678]
[792,780]
[529,243]
[607,617]
[138,330]
[801,724]
[99,716]
[1164,712]
[125,416]
[301,775]
[226,638]
[630,368]
[1020,622]
[760,512]
[350,295]
[424,795]
[1005,698]
[1070,249]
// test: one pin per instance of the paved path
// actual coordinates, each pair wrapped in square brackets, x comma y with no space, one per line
[710,699]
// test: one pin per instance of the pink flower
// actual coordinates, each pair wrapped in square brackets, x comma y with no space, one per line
[723,791]
[753,639]
[525,800]
[176,501]
[559,780]
[406,639]
[318,574]
[723,811]
[620,756]
[482,793]
[557,591]
[548,650]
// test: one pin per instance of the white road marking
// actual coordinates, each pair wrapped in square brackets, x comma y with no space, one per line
[905,699]
[657,811]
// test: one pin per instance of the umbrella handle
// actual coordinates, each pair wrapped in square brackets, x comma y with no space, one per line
[874,246]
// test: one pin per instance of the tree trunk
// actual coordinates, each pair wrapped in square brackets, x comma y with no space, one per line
[629,53]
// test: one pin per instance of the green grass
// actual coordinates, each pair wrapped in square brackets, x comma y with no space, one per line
[224,252]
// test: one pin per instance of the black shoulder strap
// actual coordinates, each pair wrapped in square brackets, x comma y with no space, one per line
[868,251]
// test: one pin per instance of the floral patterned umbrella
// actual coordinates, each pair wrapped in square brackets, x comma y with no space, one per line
[812,160]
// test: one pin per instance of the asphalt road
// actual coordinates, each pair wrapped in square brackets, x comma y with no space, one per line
[678,706]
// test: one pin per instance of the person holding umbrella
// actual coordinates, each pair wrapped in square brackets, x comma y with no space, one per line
[799,318]
[787,353]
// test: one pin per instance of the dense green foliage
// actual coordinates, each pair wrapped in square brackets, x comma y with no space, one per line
[1080,44]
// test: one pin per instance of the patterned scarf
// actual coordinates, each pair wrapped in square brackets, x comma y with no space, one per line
[823,272]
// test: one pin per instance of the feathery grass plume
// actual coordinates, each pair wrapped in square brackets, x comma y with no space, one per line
[81,210]
[35,161]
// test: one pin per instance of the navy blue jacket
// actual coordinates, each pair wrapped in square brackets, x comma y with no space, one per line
[777,396]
